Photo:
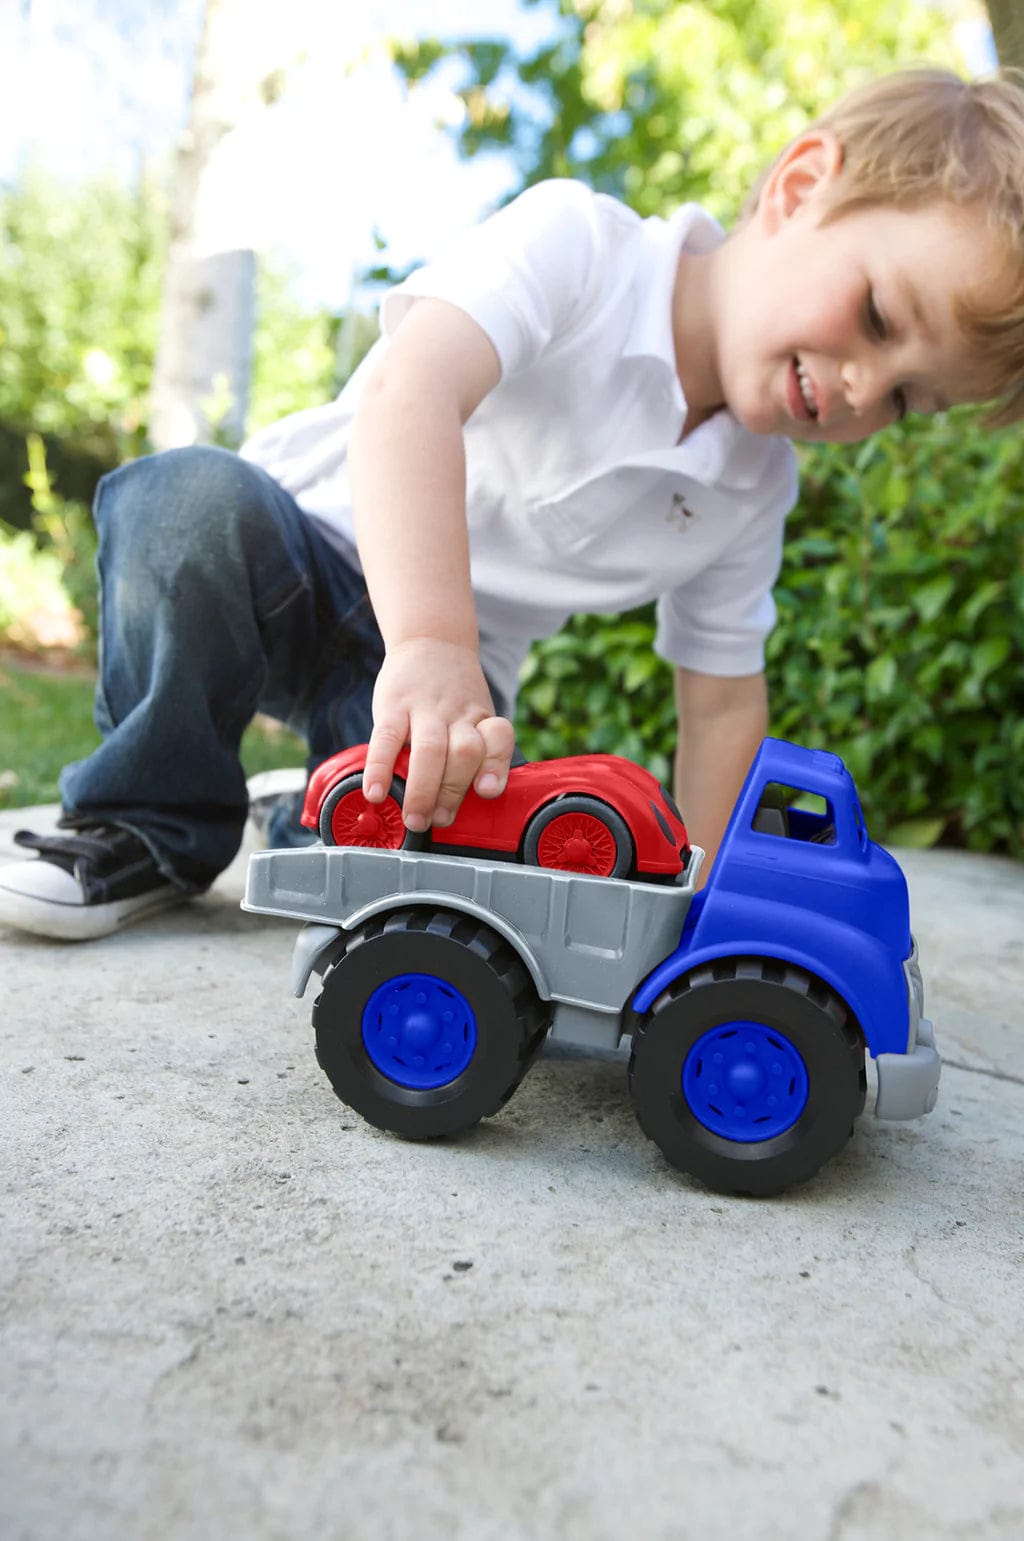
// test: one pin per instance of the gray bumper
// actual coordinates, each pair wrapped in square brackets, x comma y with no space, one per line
[908,1084]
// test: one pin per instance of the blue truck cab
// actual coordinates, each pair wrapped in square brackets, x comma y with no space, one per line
[802,913]
[808,887]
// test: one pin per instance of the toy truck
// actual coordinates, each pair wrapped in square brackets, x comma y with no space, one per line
[749,1003]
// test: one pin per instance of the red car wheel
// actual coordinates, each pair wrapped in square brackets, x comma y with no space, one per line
[346,818]
[580,834]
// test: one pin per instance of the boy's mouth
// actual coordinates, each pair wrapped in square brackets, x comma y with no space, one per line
[800,391]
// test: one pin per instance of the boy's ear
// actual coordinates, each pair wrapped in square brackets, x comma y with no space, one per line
[803,173]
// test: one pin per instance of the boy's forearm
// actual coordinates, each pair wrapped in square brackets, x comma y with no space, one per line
[408,476]
[721,725]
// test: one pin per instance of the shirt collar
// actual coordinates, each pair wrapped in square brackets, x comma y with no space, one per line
[721,452]
[690,227]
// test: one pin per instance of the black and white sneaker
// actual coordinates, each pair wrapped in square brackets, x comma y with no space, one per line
[83,883]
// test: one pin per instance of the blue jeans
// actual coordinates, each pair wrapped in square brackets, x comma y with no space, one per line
[218,598]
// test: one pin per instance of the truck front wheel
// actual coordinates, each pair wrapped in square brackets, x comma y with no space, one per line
[427,1022]
[748,1075]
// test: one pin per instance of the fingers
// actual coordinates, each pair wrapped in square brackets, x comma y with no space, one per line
[499,740]
[387,739]
[459,762]
[433,696]
[442,767]
[428,756]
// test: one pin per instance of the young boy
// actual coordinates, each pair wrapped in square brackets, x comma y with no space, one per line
[572,409]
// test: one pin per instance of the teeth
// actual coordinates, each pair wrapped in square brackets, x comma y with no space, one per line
[805,389]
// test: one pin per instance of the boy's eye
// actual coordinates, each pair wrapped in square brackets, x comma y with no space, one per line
[876,321]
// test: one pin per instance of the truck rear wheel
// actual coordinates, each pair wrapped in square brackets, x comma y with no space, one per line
[748,1075]
[427,1022]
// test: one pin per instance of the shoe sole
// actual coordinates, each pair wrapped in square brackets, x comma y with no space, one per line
[82,922]
[276,783]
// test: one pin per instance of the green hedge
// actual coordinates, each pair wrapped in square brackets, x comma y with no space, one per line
[901,614]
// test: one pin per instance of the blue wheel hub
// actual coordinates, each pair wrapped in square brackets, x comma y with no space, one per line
[745,1081]
[419,1031]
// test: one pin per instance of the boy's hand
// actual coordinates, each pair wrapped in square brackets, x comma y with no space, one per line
[432,695]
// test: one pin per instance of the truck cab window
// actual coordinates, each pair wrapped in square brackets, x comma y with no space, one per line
[791,813]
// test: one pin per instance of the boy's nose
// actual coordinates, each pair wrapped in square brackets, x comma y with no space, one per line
[867,385]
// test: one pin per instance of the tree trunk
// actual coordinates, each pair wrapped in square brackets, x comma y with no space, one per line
[1007,18]
[201,375]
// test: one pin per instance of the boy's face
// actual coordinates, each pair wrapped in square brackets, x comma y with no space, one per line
[829,332]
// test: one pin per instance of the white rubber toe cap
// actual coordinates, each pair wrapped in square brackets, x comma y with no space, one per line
[37,879]
[40,897]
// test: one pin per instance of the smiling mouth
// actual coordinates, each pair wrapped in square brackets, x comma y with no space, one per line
[806,389]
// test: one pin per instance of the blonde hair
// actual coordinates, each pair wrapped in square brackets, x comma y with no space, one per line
[923,136]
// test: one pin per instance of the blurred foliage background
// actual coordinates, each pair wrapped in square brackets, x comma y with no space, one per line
[902,598]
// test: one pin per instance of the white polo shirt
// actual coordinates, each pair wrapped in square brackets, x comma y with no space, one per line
[579,495]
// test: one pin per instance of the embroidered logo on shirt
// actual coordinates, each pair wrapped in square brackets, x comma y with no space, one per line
[680,515]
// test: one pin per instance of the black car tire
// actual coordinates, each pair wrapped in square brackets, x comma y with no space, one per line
[344,788]
[613,823]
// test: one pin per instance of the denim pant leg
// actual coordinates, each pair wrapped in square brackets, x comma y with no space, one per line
[218,597]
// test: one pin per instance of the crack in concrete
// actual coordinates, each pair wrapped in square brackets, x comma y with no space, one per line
[994,1075]
[911,1258]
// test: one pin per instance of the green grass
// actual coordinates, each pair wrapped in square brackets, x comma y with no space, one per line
[46,721]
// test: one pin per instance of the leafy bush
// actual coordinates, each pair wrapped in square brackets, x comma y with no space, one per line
[35,610]
[901,609]
[598,688]
[900,622]
[80,275]
[47,573]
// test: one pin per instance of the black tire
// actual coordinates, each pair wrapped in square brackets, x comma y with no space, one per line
[591,808]
[465,958]
[787,1008]
[345,788]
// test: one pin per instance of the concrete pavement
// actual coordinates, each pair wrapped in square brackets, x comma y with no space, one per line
[231,1308]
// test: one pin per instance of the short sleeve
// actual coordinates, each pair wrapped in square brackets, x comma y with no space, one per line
[523,275]
[718,621]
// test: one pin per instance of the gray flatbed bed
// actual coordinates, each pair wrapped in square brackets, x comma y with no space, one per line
[587,942]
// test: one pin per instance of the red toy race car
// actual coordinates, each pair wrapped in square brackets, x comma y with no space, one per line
[591,813]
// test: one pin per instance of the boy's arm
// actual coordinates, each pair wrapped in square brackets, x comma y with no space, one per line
[721,724]
[408,478]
